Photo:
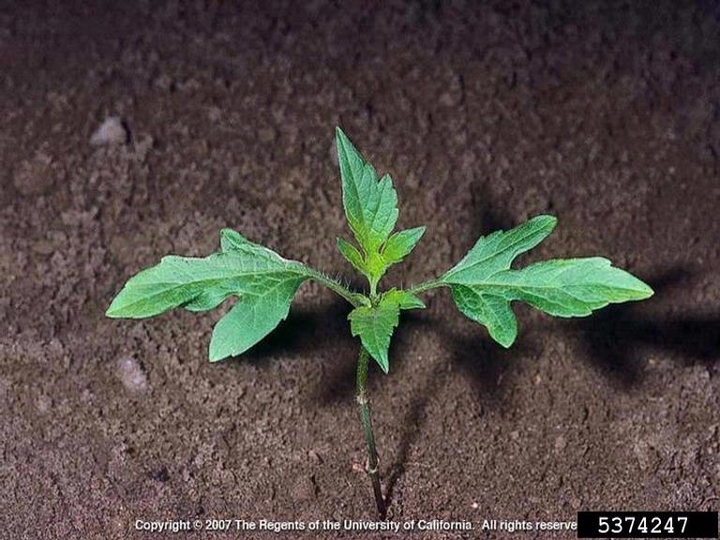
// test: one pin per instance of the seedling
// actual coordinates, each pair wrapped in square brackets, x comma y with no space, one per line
[483,284]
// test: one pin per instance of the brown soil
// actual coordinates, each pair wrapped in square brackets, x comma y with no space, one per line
[606,116]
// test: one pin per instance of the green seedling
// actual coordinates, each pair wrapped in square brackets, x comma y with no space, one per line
[483,284]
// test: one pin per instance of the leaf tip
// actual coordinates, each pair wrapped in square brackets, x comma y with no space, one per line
[384,364]
[549,222]
[504,336]
[115,310]
[340,135]
[215,354]
[645,291]
[505,342]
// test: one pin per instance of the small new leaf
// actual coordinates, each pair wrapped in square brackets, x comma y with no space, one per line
[370,205]
[400,244]
[404,299]
[483,285]
[375,324]
[371,211]
[351,254]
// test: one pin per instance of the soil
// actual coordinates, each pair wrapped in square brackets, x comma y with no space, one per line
[605,114]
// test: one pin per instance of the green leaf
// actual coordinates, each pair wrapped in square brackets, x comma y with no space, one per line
[371,211]
[375,324]
[231,240]
[498,250]
[264,281]
[483,285]
[252,318]
[199,283]
[397,247]
[351,254]
[563,288]
[491,311]
[569,287]
[404,299]
[370,205]
[400,244]
[234,242]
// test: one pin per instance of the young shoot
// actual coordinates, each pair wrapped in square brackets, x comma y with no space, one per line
[483,284]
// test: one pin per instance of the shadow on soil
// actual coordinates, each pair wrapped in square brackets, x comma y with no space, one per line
[305,332]
[489,368]
[612,341]
[614,338]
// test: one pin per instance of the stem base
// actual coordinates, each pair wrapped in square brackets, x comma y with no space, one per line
[372,461]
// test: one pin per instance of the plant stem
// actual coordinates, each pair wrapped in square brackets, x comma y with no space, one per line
[372,465]
[432,284]
[355,299]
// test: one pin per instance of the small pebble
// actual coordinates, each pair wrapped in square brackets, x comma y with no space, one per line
[111,131]
[43,403]
[131,374]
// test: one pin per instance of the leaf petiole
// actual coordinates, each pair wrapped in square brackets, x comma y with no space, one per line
[426,286]
[356,299]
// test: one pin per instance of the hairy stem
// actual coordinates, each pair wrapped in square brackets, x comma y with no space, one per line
[426,286]
[372,464]
[355,299]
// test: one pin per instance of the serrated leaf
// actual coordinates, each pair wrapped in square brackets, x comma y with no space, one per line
[252,318]
[400,244]
[371,211]
[498,250]
[375,324]
[200,283]
[232,240]
[264,282]
[370,205]
[397,247]
[562,288]
[404,299]
[491,311]
[568,287]
[351,254]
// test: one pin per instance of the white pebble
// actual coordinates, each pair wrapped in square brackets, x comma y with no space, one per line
[131,374]
[111,131]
